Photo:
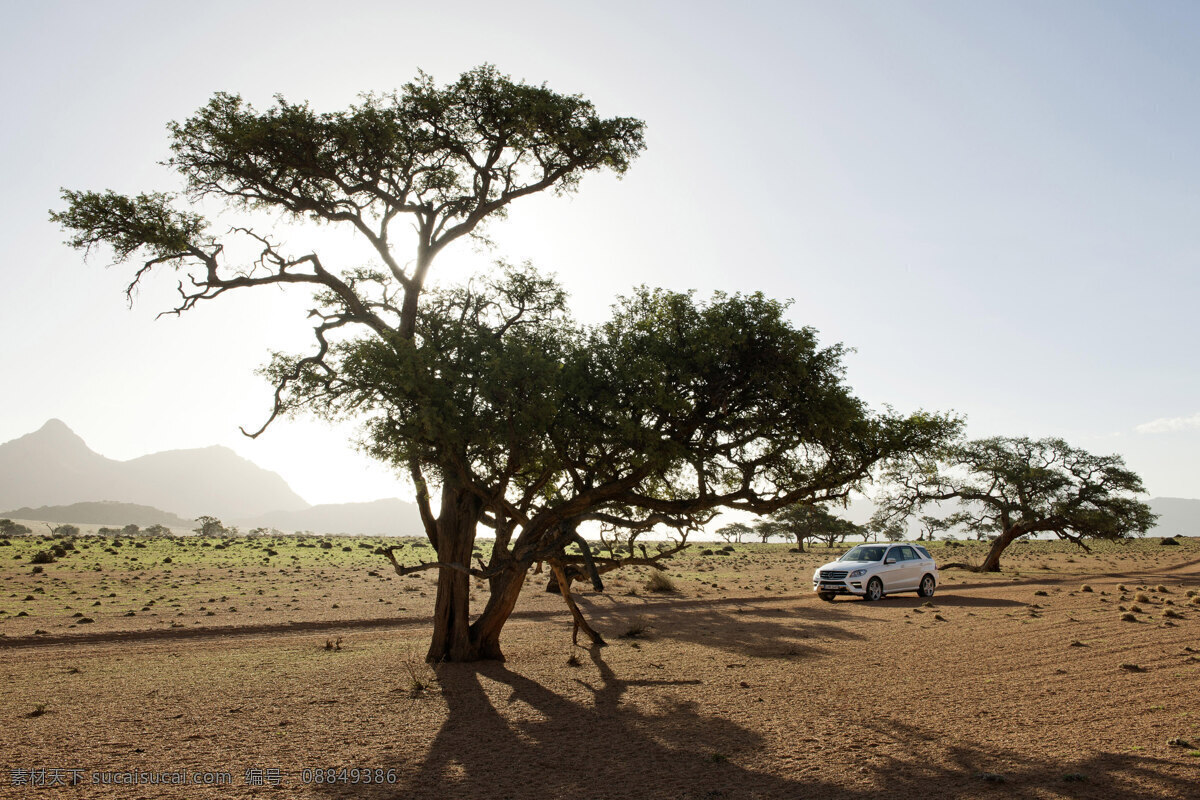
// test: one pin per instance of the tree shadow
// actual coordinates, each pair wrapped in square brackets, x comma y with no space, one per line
[935,765]
[746,628]
[527,742]
[543,745]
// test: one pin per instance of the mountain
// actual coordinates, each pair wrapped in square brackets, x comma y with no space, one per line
[106,512]
[1177,516]
[392,517]
[53,466]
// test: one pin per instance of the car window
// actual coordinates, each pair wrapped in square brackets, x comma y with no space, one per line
[924,552]
[907,553]
[863,553]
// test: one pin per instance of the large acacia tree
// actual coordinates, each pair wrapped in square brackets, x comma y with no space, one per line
[489,393]
[1009,487]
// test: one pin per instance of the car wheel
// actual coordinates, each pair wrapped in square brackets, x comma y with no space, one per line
[928,584]
[874,589]
[826,596]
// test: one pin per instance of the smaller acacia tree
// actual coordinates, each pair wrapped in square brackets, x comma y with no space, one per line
[931,525]
[805,522]
[768,529]
[210,526]
[1016,486]
[835,530]
[734,531]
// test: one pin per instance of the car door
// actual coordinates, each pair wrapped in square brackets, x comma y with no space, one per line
[910,574]
[892,574]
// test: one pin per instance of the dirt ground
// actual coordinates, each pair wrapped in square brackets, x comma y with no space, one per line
[740,684]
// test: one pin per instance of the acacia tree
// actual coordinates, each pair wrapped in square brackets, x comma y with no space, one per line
[834,530]
[767,529]
[523,420]
[804,521]
[734,531]
[1016,486]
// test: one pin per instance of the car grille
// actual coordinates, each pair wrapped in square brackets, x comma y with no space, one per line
[833,574]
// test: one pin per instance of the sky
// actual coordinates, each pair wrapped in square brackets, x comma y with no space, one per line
[994,204]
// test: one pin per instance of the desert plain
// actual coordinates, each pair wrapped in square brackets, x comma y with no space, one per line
[293,666]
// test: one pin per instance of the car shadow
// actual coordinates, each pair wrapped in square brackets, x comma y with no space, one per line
[952,600]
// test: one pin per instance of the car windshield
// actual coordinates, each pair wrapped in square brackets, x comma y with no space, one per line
[865,553]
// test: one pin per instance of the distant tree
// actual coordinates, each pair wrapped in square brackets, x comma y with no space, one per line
[734,531]
[1016,486]
[891,529]
[931,525]
[835,530]
[769,528]
[10,528]
[808,522]
[130,530]
[210,526]
[66,531]
[157,530]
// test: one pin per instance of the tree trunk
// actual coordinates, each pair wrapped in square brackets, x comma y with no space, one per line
[485,631]
[992,562]
[456,523]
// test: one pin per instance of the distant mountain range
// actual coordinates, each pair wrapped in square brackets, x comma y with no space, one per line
[1177,516]
[51,474]
[391,517]
[106,512]
[53,466]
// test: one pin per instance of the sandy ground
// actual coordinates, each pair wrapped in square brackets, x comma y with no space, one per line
[740,685]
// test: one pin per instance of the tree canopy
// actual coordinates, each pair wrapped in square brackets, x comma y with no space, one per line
[1011,487]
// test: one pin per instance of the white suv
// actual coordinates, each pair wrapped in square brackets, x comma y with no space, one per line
[873,570]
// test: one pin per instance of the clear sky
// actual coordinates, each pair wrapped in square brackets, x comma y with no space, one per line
[996,204]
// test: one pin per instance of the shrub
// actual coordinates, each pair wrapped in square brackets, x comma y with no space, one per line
[42,557]
[660,582]
[636,628]
[1085,588]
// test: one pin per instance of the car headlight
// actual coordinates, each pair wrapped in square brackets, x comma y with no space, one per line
[858,573]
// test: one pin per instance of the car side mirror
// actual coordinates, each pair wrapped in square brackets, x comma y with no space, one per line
[890,561]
